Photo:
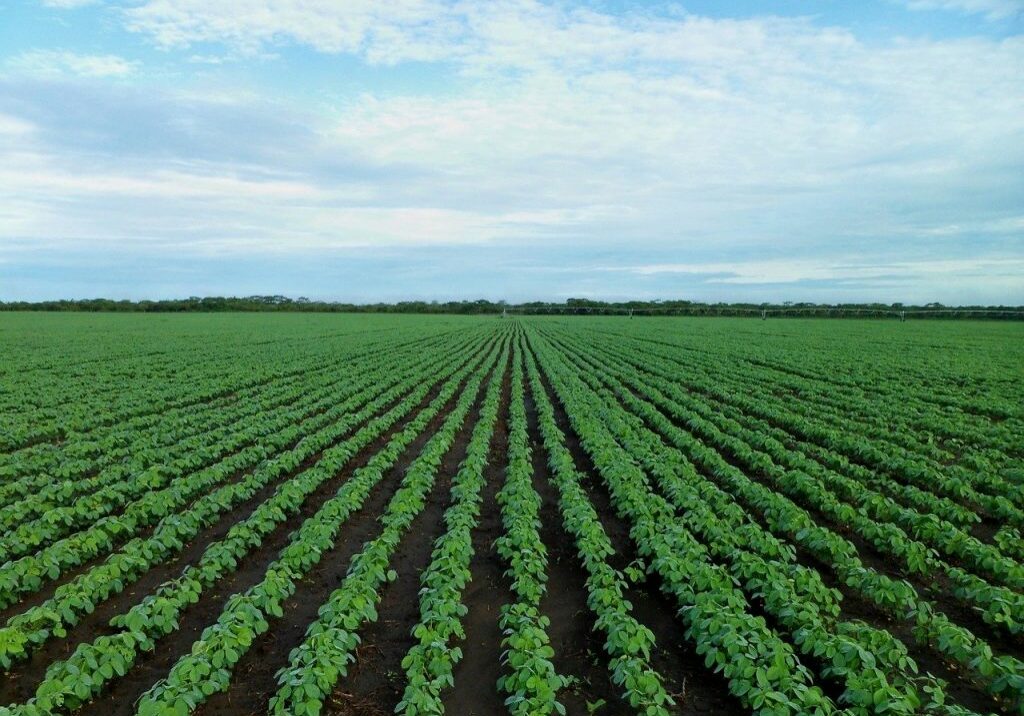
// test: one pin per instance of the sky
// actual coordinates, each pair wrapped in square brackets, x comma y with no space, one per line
[513,149]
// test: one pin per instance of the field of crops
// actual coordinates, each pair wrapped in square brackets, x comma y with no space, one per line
[306,514]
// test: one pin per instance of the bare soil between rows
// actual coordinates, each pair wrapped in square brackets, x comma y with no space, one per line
[694,687]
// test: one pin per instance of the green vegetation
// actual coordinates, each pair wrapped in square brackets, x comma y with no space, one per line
[829,514]
[572,306]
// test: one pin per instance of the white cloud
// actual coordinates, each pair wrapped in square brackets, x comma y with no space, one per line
[56,63]
[562,126]
[222,210]
[249,24]
[850,268]
[11,126]
[520,34]
[690,101]
[991,9]
[723,148]
[68,4]
[160,184]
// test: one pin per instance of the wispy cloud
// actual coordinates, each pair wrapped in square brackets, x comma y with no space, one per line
[55,63]
[68,4]
[848,268]
[991,9]
[326,26]
[14,127]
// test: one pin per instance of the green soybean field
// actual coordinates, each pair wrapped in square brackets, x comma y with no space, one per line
[372,514]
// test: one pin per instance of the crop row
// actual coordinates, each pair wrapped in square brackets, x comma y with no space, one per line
[873,669]
[328,649]
[32,627]
[71,682]
[905,534]
[1001,675]
[532,681]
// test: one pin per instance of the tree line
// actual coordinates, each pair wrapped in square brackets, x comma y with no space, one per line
[277,303]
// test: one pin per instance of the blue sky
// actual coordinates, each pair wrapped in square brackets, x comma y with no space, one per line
[518,150]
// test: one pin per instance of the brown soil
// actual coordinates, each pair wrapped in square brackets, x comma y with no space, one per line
[376,681]
[937,588]
[254,677]
[122,693]
[23,678]
[579,649]
[960,690]
[48,590]
[695,688]
[476,675]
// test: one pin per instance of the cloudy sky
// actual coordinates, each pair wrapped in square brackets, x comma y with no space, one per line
[514,149]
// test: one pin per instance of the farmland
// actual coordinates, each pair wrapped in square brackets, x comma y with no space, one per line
[337,514]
